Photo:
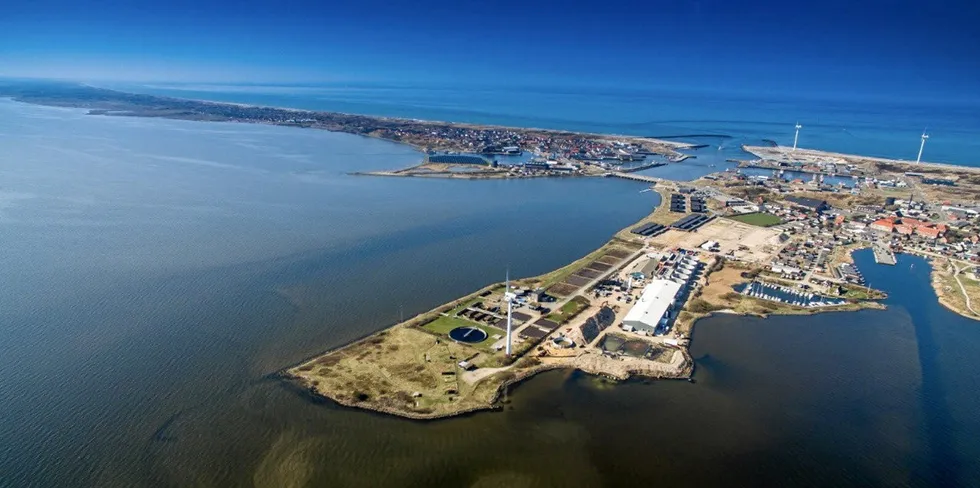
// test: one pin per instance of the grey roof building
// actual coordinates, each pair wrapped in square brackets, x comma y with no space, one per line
[809,203]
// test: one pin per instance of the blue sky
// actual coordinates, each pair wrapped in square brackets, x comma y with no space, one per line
[861,48]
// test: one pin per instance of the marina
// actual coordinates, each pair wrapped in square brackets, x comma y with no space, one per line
[787,295]
[850,273]
[436,244]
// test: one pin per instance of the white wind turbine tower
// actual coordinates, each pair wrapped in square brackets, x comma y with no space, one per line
[922,146]
[509,297]
[796,138]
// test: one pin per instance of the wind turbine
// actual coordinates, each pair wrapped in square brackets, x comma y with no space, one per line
[796,138]
[922,146]
[509,297]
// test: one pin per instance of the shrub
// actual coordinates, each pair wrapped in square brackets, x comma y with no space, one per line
[699,305]
[731,296]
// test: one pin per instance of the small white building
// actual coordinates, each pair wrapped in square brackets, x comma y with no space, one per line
[710,246]
[653,305]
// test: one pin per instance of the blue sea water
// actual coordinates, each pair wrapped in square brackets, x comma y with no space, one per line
[868,127]
[154,269]
[157,273]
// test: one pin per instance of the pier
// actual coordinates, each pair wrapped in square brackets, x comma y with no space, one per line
[883,255]
[787,295]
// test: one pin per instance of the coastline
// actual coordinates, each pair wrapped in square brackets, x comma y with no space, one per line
[666,142]
[936,275]
[683,370]
[782,152]
[487,389]
[956,299]
[416,133]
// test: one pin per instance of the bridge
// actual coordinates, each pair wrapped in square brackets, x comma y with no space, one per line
[635,177]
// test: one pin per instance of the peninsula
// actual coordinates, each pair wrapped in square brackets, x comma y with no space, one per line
[775,242]
[626,309]
[450,149]
[728,243]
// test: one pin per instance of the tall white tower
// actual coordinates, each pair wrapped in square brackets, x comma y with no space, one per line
[509,297]
[922,146]
[796,138]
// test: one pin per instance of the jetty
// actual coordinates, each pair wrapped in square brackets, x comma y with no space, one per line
[883,255]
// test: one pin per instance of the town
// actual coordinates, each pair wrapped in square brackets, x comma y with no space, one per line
[771,237]
[469,146]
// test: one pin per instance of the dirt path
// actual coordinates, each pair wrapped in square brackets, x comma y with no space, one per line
[966,296]
[476,375]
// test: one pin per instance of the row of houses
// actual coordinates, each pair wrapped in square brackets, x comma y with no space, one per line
[909,226]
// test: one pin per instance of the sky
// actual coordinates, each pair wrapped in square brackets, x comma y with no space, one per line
[878,48]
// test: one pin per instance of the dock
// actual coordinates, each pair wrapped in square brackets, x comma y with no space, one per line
[883,255]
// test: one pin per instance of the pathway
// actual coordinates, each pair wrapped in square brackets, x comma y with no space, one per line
[966,296]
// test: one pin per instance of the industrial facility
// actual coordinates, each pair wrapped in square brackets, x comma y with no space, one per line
[653,307]
[669,276]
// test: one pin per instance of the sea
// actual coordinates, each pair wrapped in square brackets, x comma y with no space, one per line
[724,120]
[159,273]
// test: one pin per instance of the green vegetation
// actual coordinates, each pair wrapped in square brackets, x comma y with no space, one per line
[758,218]
[569,310]
[699,305]
[854,292]
[444,324]
[856,295]
[403,370]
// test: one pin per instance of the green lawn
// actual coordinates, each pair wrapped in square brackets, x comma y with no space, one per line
[758,218]
[569,310]
[444,324]
[856,294]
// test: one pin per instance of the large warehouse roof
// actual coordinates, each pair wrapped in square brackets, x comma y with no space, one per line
[653,303]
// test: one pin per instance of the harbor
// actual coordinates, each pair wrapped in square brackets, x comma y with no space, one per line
[787,295]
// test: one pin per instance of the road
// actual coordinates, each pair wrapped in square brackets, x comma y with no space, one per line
[560,303]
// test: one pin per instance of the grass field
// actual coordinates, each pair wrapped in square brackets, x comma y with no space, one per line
[403,369]
[444,324]
[569,310]
[758,218]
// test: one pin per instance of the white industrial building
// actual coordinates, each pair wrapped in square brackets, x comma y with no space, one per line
[653,305]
